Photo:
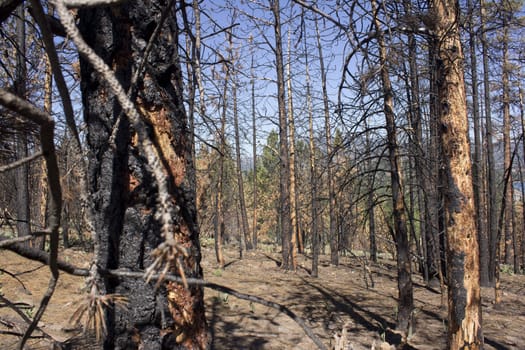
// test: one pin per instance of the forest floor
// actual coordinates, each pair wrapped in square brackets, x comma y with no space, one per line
[338,301]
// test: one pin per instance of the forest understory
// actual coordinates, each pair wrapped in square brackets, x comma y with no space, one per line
[340,302]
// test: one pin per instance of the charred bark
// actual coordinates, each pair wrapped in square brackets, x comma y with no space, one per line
[121,186]
[404,270]
[284,150]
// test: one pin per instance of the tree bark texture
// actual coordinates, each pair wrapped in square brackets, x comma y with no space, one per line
[478,176]
[333,237]
[509,195]
[22,172]
[314,206]
[404,270]
[464,328]
[254,152]
[122,188]
[491,172]
[284,152]
[245,227]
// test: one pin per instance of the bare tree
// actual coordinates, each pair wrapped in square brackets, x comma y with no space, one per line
[22,172]
[464,303]
[284,151]
[404,279]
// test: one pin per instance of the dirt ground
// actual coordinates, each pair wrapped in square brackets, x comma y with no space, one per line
[337,302]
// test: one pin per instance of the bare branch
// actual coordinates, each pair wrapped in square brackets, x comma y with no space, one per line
[24,108]
[91,3]
[20,162]
[8,242]
[7,7]
[43,257]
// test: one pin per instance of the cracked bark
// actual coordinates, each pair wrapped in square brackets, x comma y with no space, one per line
[122,188]
[464,301]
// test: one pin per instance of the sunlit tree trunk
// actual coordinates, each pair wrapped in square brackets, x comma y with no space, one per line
[122,188]
[404,270]
[464,300]
[294,210]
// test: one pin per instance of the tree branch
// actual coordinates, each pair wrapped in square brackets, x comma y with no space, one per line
[7,7]
[20,162]
[43,257]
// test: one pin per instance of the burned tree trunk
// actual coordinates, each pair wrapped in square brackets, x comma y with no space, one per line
[464,303]
[123,191]
[405,304]
[284,150]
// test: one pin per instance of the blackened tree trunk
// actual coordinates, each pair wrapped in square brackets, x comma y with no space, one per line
[464,301]
[294,196]
[522,119]
[370,207]
[332,233]
[218,222]
[491,172]
[314,201]
[509,194]
[477,168]
[242,202]
[22,172]
[434,207]
[122,188]
[284,153]
[254,152]
[404,273]
[417,147]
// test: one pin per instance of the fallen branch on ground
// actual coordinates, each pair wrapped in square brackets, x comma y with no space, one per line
[41,256]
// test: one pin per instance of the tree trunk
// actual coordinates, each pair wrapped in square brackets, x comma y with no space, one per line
[491,175]
[254,154]
[314,202]
[219,200]
[240,182]
[22,172]
[404,278]
[284,153]
[477,168]
[522,118]
[464,303]
[371,200]
[418,150]
[434,203]
[509,195]
[332,233]
[294,197]
[122,188]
